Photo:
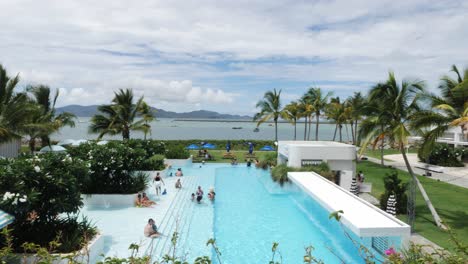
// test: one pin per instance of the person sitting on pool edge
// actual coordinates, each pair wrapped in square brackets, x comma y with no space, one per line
[179,172]
[145,201]
[151,230]
[138,201]
[178,184]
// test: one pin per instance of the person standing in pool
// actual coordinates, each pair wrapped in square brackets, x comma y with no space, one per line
[151,230]
[199,194]
[157,183]
[179,172]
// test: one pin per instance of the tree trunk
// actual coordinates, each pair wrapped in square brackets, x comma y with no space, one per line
[412,196]
[32,145]
[357,136]
[45,141]
[317,116]
[382,149]
[352,132]
[126,133]
[334,134]
[341,135]
[295,129]
[276,130]
[347,132]
[305,128]
[310,124]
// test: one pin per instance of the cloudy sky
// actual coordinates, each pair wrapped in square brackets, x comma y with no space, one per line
[223,55]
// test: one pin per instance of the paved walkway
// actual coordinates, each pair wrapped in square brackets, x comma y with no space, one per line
[453,175]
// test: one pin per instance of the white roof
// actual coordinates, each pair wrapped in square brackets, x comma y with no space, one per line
[361,217]
[315,143]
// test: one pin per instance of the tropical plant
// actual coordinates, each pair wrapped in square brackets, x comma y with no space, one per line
[445,155]
[356,104]
[120,116]
[319,102]
[291,112]
[336,111]
[177,152]
[280,173]
[270,108]
[448,110]
[305,110]
[147,114]
[14,107]
[401,102]
[394,185]
[43,121]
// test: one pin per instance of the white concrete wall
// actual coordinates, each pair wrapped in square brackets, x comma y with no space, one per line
[10,149]
[179,162]
[109,200]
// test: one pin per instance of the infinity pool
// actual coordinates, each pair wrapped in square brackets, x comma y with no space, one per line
[249,214]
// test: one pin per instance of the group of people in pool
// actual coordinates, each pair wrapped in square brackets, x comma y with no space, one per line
[198,195]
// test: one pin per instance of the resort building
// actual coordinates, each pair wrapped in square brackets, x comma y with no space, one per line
[340,157]
[454,136]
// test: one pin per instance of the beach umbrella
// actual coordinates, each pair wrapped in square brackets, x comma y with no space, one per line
[391,205]
[5,219]
[209,146]
[103,142]
[79,142]
[228,146]
[53,148]
[192,146]
[354,187]
[66,142]
[267,148]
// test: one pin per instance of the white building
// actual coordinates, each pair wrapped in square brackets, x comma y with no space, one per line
[454,136]
[340,157]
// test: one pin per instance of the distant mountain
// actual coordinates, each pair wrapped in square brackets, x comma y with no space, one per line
[90,110]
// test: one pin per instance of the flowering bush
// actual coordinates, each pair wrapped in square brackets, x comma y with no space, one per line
[37,190]
[444,155]
[111,168]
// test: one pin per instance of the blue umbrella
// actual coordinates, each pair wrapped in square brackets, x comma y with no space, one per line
[267,148]
[193,146]
[209,146]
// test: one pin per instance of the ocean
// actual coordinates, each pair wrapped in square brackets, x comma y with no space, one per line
[173,129]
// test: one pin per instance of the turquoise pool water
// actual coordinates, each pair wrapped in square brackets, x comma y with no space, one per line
[249,214]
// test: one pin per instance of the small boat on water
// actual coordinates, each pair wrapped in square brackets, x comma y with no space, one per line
[256,129]
[236,127]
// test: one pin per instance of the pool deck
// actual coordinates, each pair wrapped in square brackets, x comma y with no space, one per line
[361,217]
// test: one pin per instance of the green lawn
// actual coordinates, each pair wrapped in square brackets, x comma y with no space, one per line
[450,201]
[240,155]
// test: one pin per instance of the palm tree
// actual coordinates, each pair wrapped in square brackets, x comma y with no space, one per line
[319,102]
[305,110]
[291,112]
[270,107]
[401,102]
[44,121]
[147,115]
[356,104]
[120,116]
[336,112]
[14,107]
[447,111]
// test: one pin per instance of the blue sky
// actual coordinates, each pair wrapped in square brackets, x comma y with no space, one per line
[224,55]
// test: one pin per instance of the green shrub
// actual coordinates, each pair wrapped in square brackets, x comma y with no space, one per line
[111,168]
[156,162]
[37,189]
[445,155]
[177,152]
[394,185]
[280,173]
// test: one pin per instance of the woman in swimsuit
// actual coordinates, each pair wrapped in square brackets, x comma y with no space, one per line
[157,183]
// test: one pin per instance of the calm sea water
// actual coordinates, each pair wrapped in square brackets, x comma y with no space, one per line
[170,129]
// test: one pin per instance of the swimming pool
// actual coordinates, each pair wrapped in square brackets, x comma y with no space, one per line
[249,214]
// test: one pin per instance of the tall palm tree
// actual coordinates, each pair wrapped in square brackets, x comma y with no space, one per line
[119,117]
[356,104]
[336,112]
[306,110]
[291,112]
[401,102]
[14,107]
[147,114]
[447,111]
[319,102]
[270,108]
[44,120]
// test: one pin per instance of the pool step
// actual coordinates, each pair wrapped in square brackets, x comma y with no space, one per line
[177,218]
